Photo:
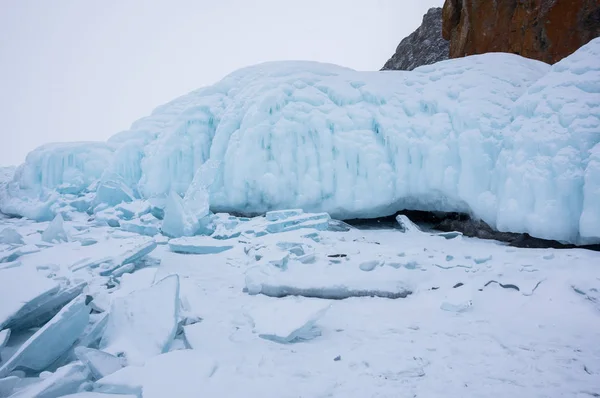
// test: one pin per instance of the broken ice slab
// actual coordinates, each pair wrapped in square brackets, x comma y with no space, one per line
[339,226]
[449,235]
[136,252]
[134,209]
[99,363]
[143,323]
[308,258]
[38,313]
[108,217]
[129,283]
[113,190]
[91,335]
[331,281]
[52,340]
[318,221]
[7,256]
[288,320]
[294,248]
[7,385]
[87,241]
[276,259]
[370,265]
[185,218]
[55,232]
[161,239]
[406,225]
[12,264]
[22,289]
[66,380]
[199,245]
[282,214]
[138,227]
[10,236]
[186,372]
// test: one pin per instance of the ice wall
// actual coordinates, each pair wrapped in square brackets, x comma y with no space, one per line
[512,140]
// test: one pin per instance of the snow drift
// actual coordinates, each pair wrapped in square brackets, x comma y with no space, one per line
[513,141]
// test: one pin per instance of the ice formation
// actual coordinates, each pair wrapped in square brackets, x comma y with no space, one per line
[513,141]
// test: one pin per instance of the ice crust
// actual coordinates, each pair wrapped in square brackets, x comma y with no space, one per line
[514,141]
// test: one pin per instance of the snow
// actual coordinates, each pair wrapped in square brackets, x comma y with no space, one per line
[143,324]
[481,316]
[511,140]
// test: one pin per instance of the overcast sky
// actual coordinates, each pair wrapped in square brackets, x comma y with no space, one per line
[78,70]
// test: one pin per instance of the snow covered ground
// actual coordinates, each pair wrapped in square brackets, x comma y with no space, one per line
[281,306]
[513,141]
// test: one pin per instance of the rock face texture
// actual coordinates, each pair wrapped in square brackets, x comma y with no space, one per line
[424,46]
[546,30]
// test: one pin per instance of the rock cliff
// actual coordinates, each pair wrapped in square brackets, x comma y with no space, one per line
[546,30]
[423,47]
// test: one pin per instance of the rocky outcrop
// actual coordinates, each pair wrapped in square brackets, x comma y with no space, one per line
[546,30]
[424,46]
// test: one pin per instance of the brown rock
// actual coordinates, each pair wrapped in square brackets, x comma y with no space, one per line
[546,30]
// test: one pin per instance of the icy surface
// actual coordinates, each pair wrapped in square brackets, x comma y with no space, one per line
[513,141]
[481,317]
[143,323]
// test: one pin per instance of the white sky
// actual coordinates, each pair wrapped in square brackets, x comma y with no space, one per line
[82,70]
